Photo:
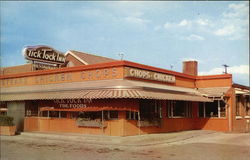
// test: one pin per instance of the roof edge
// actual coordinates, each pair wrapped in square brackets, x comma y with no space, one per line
[218,76]
[78,58]
[236,85]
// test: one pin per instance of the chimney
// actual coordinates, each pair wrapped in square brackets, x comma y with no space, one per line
[190,67]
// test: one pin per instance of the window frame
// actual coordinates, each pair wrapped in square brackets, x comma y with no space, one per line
[131,115]
[247,106]
[238,104]
[219,108]
[150,109]
[188,109]
[109,115]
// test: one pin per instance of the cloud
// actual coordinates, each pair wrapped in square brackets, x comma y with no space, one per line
[190,59]
[234,24]
[237,10]
[193,37]
[202,22]
[184,23]
[157,28]
[136,20]
[188,23]
[166,25]
[226,30]
[241,69]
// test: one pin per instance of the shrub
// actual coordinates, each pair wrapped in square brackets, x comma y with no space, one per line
[6,120]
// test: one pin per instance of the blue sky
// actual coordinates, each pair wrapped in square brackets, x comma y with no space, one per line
[160,34]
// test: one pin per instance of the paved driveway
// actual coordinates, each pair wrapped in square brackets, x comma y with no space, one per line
[188,145]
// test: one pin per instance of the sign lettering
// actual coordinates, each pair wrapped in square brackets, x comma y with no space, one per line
[149,75]
[44,54]
[72,103]
[87,75]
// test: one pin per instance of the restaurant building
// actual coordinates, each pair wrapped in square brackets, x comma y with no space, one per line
[89,94]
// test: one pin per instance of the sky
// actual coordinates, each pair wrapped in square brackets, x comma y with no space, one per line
[160,34]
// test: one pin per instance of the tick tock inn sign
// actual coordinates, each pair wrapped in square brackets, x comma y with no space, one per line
[44,54]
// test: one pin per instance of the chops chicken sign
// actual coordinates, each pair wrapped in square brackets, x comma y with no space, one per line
[44,54]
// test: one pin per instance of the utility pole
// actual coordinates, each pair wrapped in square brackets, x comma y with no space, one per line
[171,66]
[121,55]
[225,66]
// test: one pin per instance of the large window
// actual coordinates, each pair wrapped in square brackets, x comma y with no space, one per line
[90,115]
[150,110]
[31,108]
[202,110]
[179,109]
[111,115]
[212,109]
[238,105]
[130,115]
[247,105]
[54,114]
[3,108]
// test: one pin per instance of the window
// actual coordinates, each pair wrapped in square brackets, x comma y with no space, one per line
[62,114]
[74,115]
[3,108]
[54,114]
[238,104]
[131,115]
[90,115]
[31,108]
[44,113]
[222,109]
[201,110]
[113,114]
[150,110]
[179,109]
[212,109]
[110,115]
[247,105]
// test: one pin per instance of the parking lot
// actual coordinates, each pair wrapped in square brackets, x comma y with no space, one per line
[192,145]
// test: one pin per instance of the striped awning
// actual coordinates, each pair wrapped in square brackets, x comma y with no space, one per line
[103,94]
[91,109]
[101,89]
[214,91]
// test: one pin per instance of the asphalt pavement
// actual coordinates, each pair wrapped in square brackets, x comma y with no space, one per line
[191,145]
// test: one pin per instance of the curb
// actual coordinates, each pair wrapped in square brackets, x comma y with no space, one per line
[140,140]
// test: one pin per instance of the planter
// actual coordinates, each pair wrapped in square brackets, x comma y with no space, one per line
[89,123]
[8,130]
[148,123]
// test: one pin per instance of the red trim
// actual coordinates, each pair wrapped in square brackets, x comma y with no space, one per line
[90,109]
[64,70]
[113,64]
[219,76]
[146,67]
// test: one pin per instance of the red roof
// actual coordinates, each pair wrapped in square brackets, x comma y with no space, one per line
[90,58]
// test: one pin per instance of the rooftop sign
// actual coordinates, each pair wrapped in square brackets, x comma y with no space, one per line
[44,54]
[149,75]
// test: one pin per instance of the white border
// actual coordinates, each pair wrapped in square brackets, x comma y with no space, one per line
[79,59]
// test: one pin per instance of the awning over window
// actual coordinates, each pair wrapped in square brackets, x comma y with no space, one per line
[214,92]
[102,90]
[103,94]
[242,92]
[91,109]
[3,109]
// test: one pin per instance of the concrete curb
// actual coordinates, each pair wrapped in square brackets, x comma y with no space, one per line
[140,140]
